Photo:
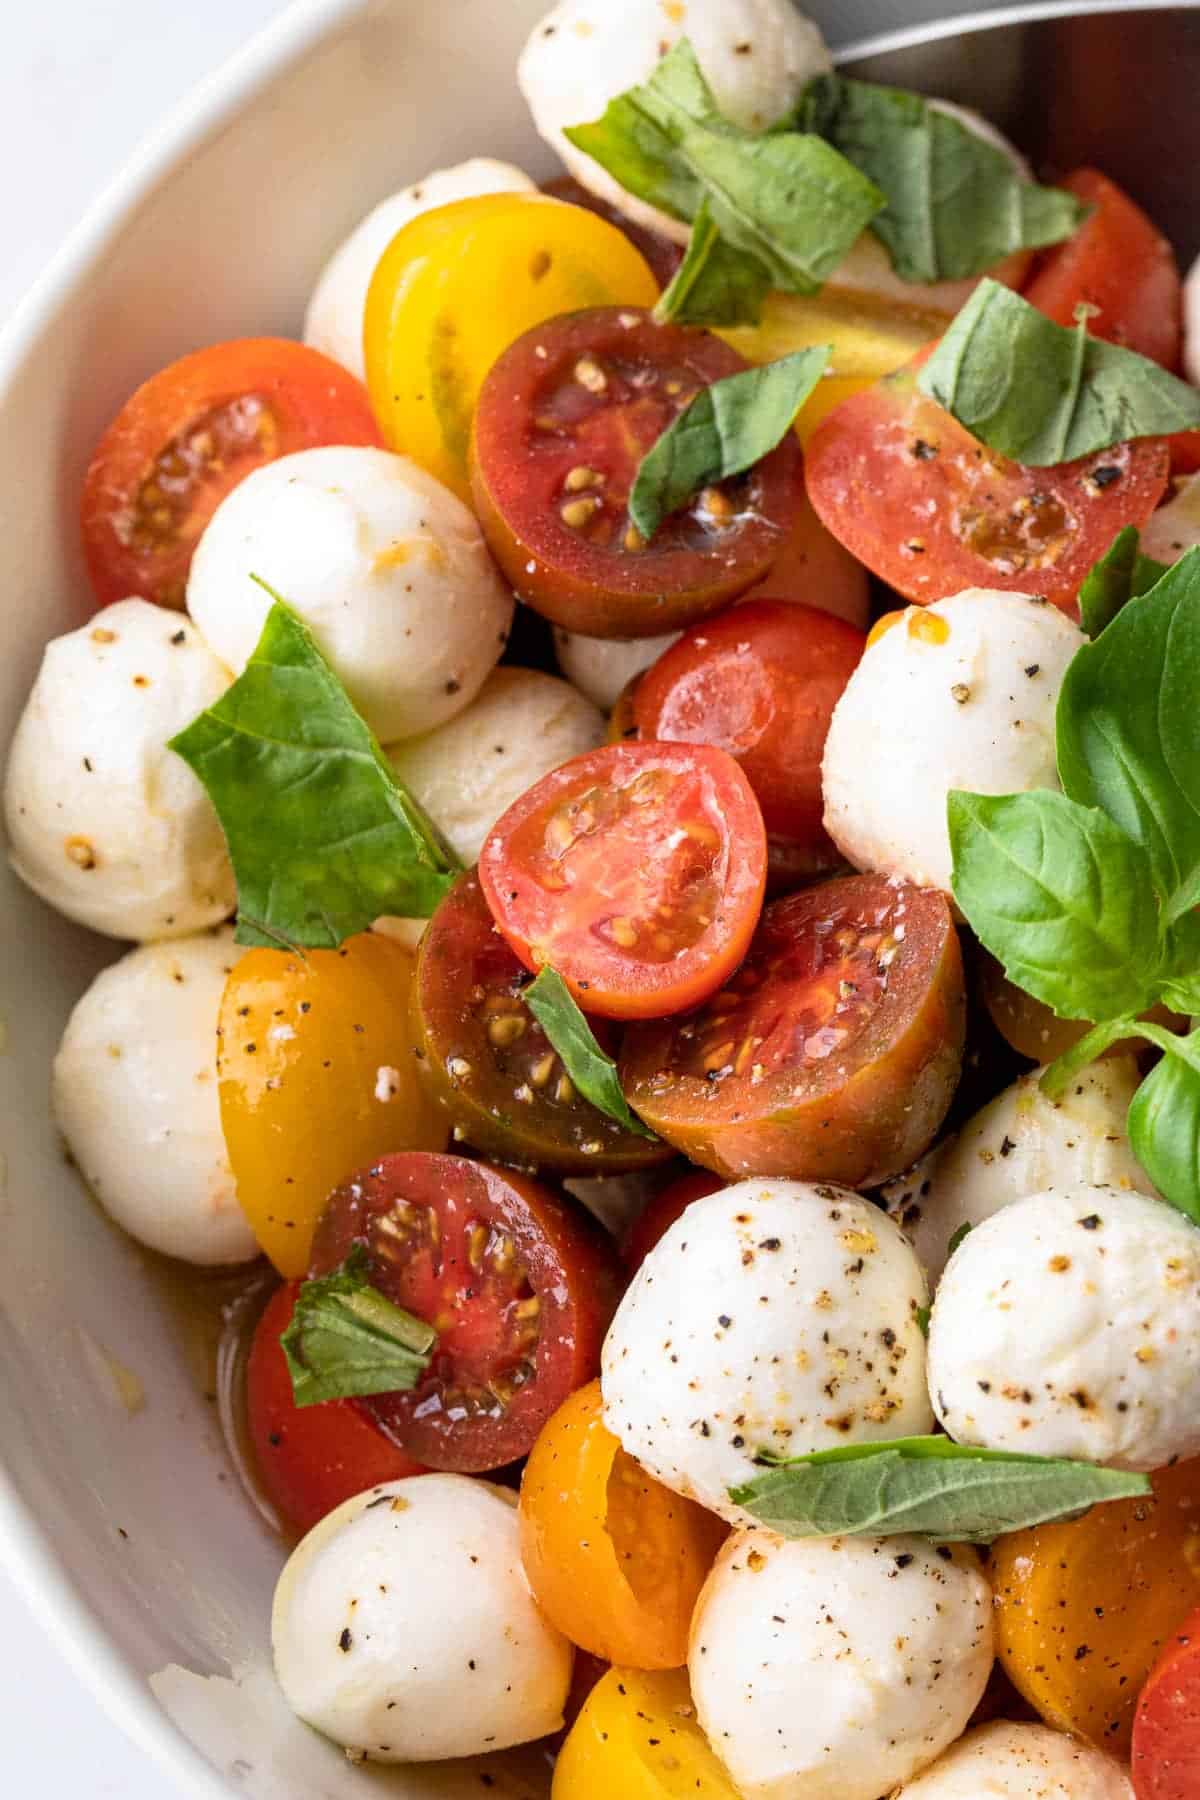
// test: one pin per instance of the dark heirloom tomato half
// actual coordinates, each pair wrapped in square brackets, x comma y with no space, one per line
[564,419]
[931,511]
[663,256]
[1166,1727]
[189,435]
[833,1053]
[519,1286]
[636,870]
[489,1061]
[669,1204]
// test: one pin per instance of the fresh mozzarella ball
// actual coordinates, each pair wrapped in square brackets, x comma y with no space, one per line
[386,566]
[1191,323]
[404,1629]
[958,694]
[602,668]
[520,725]
[1020,1143]
[105,822]
[135,1096]
[1068,1324]
[1005,1761]
[1175,527]
[830,1669]
[773,1315]
[334,321]
[758,56]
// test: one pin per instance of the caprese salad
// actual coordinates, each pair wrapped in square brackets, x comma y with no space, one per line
[724,1117]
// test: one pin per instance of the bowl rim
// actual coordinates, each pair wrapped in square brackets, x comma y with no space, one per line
[26,1552]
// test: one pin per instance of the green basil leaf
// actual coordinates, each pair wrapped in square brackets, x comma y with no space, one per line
[786,199]
[955,204]
[1042,393]
[1121,575]
[593,1073]
[1058,893]
[1163,1124]
[956,1237]
[1128,726]
[714,284]
[322,836]
[726,429]
[345,1338]
[928,1486]
[923,1315]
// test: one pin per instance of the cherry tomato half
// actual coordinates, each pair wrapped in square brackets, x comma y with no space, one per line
[489,1061]
[638,1738]
[832,1054]
[636,870]
[614,1559]
[519,1286]
[564,419]
[816,570]
[309,1458]
[1166,1727]
[189,435]
[663,256]
[1119,263]
[669,1204]
[927,508]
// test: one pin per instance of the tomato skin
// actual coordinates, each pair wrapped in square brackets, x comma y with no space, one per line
[816,570]
[566,543]
[638,1738]
[635,870]
[1120,263]
[301,400]
[663,256]
[1166,1728]
[930,511]
[520,1286]
[614,1559]
[819,1061]
[1185,452]
[309,1458]
[669,1204]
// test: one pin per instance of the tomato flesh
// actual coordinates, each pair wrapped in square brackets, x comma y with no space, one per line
[636,870]
[668,1205]
[519,1287]
[638,1738]
[189,435]
[564,419]
[1166,1727]
[663,256]
[832,1054]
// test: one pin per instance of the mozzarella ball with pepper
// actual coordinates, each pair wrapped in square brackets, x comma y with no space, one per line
[1068,1324]
[104,821]
[831,1669]
[773,1315]
[958,694]
[1006,1761]
[520,725]
[404,1629]
[334,320]
[1021,1143]
[135,1097]
[386,567]
[1191,324]
[1175,527]
[757,56]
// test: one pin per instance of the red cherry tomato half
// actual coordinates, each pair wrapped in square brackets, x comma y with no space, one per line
[663,256]
[189,435]
[519,1286]
[1185,452]
[668,1205]
[1119,263]
[309,1458]
[1166,1727]
[563,422]
[761,681]
[636,870]
[931,511]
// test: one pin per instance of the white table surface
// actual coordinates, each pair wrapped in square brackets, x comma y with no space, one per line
[80,82]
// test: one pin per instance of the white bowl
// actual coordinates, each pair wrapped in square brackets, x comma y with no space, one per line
[126,1529]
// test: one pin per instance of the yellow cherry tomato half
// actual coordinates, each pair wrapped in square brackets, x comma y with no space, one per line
[458,285]
[637,1738]
[317,1079]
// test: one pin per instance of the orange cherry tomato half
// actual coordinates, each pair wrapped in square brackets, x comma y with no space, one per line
[309,1458]
[832,1054]
[519,1286]
[614,1559]
[636,870]
[668,1205]
[928,509]
[189,435]
[1166,1726]
[563,422]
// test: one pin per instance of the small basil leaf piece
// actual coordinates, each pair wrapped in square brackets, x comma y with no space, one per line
[322,836]
[929,1486]
[346,1338]
[726,429]
[592,1072]
[956,1237]
[955,203]
[713,285]
[1121,575]
[1163,1124]
[1058,893]
[1128,727]
[923,1315]
[1043,393]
